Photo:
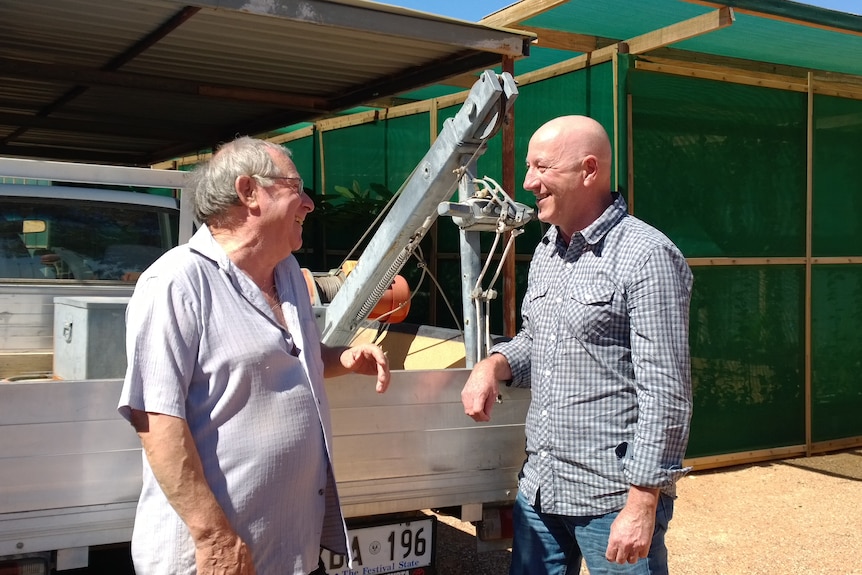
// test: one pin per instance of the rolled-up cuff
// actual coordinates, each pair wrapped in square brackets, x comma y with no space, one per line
[519,362]
[644,474]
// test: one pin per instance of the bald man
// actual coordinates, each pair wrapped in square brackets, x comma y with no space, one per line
[604,349]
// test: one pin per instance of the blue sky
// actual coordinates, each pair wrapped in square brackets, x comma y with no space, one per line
[474,10]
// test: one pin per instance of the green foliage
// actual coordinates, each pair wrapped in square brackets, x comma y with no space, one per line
[357,201]
[340,219]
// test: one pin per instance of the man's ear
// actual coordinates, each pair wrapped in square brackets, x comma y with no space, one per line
[591,167]
[246,190]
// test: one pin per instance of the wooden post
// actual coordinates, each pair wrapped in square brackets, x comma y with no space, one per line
[510,305]
[809,226]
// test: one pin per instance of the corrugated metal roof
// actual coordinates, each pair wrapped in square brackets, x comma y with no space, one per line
[140,81]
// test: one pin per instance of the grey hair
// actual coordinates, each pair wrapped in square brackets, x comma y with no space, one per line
[212,183]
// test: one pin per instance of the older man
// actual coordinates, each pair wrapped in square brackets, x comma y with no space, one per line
[225,384]
[604,349]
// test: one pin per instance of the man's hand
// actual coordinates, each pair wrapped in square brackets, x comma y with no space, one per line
[632,530]
[481,390]
[367,359]
[224,554]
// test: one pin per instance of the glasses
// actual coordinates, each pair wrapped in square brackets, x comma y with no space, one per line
[299,188]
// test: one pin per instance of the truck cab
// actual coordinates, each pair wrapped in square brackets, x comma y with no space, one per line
[69,241]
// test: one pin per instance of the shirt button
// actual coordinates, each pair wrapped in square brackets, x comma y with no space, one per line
[559,300]
[548,373]
[544,413]
[568,265]
[320,491]
[542,454]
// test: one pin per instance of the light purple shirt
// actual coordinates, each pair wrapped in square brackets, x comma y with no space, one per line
[203,345]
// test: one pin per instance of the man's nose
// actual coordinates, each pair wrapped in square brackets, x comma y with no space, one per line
[307,202]
[531,181]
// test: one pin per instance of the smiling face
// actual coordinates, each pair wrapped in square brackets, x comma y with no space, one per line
[284,206]
[568,170]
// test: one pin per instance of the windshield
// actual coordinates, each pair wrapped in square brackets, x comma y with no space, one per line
[55,239]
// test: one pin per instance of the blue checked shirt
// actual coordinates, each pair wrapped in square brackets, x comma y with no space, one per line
[604,349]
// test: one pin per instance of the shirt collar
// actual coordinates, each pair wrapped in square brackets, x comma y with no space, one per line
[204,243]
[593,234]
[612,215]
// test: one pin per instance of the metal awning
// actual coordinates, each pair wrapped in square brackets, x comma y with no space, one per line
[140,81]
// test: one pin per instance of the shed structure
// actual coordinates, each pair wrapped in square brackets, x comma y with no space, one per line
[737,126]
[141,81]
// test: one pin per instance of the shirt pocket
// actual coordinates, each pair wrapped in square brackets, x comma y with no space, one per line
[536,300]
[590,313]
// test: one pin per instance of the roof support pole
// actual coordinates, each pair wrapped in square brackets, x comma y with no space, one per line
[809,226]
[510,305]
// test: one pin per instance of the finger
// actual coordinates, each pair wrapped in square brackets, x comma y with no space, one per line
[355,354]
[478,410]
[621,559]
[376,352]
[383,376]
[621,556]
[466,400]
[490,401]
[615,554]
[383,353]
[479,417]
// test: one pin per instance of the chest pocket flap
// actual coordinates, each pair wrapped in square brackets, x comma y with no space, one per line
[592,311]
[593,294]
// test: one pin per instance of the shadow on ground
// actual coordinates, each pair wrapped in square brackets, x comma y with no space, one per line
[457,554]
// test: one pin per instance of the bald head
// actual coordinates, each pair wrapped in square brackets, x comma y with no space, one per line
[569,171]
[580,136]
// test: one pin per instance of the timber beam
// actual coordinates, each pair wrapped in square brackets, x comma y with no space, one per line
[685,30]
[513,15]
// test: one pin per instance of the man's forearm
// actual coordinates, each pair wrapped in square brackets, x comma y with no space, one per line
[497,366]
[176,464]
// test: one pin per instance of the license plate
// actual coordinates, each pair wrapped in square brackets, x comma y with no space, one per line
[393,549]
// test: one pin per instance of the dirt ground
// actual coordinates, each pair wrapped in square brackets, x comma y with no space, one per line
[799,516]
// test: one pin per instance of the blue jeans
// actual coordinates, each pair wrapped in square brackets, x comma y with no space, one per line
[547,544]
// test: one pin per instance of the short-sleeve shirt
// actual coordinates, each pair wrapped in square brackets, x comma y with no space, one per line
[203,345]
[604,349]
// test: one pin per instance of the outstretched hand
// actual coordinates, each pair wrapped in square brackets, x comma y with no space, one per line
[368,359]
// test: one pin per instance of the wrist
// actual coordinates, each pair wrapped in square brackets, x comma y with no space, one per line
[643,498]
[206,531]
[498,367]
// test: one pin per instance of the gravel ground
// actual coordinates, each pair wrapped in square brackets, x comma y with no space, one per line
[799,516]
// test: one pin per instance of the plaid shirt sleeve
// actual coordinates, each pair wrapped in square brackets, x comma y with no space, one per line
[658,306]
[518,350]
